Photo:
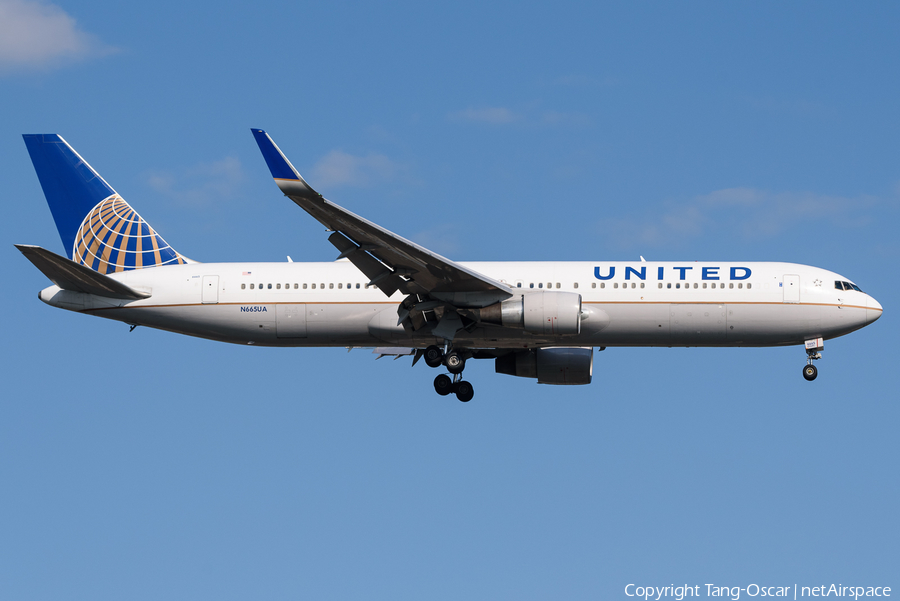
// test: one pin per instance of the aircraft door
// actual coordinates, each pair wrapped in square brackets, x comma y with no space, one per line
[696,324]
[210,293]
[290,321]
[792,288]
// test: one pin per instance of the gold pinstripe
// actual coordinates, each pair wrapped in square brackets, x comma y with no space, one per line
[396,303]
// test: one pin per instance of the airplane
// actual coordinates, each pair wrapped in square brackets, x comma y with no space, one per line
[538,320]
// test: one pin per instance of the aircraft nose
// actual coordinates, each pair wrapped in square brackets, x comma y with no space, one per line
[873,310]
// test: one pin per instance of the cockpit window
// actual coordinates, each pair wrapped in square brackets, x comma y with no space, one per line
[846,286]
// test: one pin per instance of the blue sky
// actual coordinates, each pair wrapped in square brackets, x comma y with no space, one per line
[146,465]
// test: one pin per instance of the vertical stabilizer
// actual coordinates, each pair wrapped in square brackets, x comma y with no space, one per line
[97,227]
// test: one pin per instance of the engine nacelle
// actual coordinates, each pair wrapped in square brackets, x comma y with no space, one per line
[545,313]
[549,365]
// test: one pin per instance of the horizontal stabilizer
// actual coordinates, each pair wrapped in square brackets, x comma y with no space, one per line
[69,275]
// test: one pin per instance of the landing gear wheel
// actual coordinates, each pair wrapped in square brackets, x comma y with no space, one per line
[443,385]
[810,372]
[455,362]
[464,391]
[433,356]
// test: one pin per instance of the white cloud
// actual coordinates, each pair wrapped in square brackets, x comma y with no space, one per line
[34,35]
[745,212]
[339,168]
[493,115]
[202,184]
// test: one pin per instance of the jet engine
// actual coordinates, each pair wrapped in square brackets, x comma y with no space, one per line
[544,313]
[549,365]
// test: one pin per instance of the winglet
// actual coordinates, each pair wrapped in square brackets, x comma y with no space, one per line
[287,178]
[280,167]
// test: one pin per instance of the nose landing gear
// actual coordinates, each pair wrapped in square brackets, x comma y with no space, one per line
[812,353]
[810,372]
[455,362]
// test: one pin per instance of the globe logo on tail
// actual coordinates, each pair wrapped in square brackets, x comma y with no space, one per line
[113,237]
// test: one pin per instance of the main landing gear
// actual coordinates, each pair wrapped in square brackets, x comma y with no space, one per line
[455,362]
[812,353]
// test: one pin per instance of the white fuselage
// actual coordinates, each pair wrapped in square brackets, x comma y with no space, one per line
[623,304]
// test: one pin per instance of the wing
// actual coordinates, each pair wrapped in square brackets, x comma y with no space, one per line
[389,261]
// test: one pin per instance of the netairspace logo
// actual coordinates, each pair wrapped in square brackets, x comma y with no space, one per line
[678,593]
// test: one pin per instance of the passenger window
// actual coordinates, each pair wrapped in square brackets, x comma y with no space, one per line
[731,285]
[669,285]
[313,286]
[575,285]
[304,286]
[340,286]
[541,285]
[593,284]
[678,285]
[749,285]
[642,284]
[243,286]
[549,284]
[660,285]
[558,284]
[633,285]
[603,284]
[321,286]
[357,286]
[330,286]
[277,286]
[518,284]
[704,285]
[616,285]
[740,285]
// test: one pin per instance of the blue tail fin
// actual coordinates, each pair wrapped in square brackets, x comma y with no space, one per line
[98,228]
